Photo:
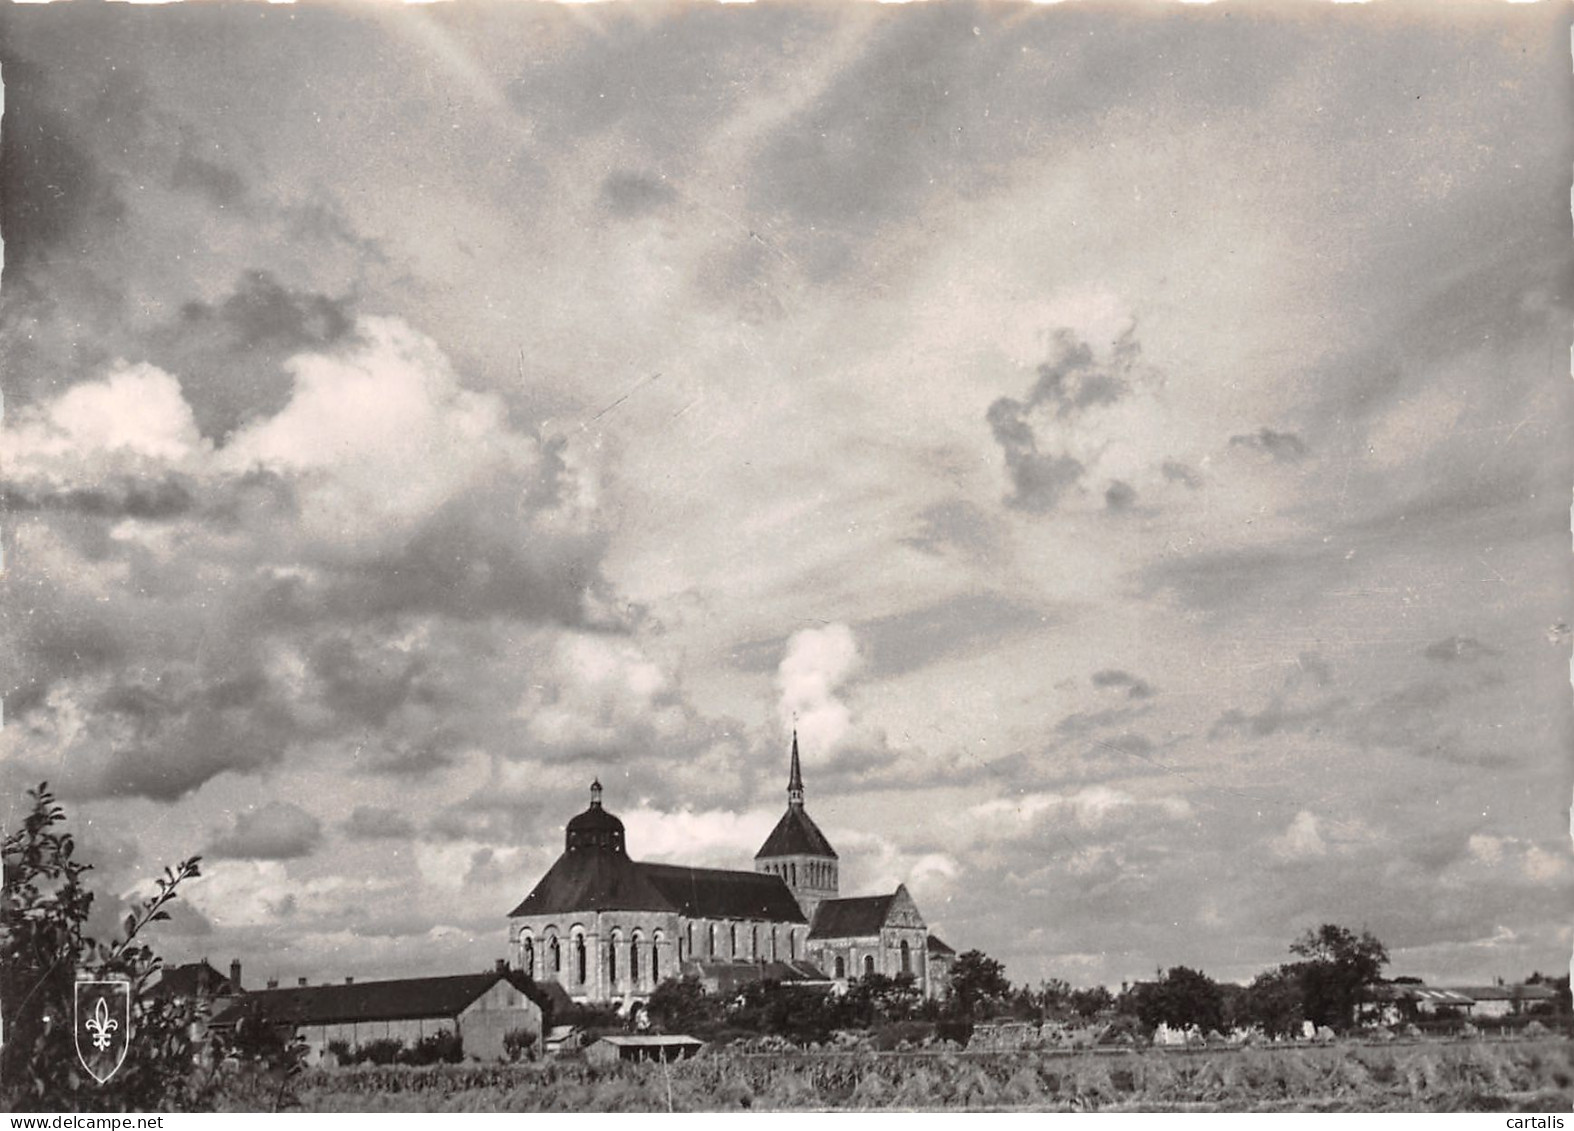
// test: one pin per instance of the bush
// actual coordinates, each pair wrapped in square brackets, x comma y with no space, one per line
[956,1031]
[444,1047]
[384,1050]
[518,1043]
[912,1033]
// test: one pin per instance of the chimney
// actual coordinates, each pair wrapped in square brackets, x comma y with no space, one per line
[300,981]
[235,975]
[273,983]
[502,966]
[349,979]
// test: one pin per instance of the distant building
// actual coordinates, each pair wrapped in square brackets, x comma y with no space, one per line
[608,928]
[611,1050]
[481,1008]
[197,981]
[1389,1003]
[1505,1001]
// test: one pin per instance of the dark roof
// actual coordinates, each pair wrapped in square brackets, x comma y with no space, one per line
[195,979]
[1410,991]
[606,881]
[796,834]
[401,1000]
[650,1041]
[1506,993]
[845,918]
[593,881]
[595,818]
[938,947]
[713,893]
[550,996]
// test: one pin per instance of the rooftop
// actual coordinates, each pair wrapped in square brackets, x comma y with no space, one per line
[399,1000]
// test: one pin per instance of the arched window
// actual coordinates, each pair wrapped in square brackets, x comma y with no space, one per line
[580,969]
[907,958]
[612,964]
[732,940]
[841,966]
[557,956]
[691,940]
[655,963]
[710,942]
[794,868]
[634,962]
[868,965]
[774,955]
[527,956]
[792,946]
[754,942]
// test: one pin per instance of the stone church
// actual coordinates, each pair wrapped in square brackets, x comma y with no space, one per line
[608,928]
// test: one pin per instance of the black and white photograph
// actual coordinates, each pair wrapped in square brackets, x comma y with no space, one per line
[787,556]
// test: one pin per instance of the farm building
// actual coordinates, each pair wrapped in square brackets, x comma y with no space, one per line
[1392,1002]
[197,981]
[1505,1001]
[611,1050]
[482,1008]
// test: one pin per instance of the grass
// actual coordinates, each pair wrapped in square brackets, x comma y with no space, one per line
[1426,1076]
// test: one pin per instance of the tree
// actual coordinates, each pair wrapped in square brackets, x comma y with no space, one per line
[978,983]
[1337,971]
[1273,1002]
[1054,998]
[682,1006]
[1182,998]
[1089,1003]
[44,909]
[877,999]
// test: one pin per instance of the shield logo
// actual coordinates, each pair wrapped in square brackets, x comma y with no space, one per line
[103,1026]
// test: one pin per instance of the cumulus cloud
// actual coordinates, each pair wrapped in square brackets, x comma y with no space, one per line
[1091,807]
[1520,858]
[817,664]
[279,830]
[330,558]
[1093,420]
[594,694]
[1302,839]
[131,421]
[381,435]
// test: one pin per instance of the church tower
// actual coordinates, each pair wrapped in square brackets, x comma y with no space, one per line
[797,850]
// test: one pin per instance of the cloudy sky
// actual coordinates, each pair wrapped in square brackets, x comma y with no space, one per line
[1131,442]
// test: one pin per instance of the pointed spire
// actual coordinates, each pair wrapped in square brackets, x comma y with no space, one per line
[795,778]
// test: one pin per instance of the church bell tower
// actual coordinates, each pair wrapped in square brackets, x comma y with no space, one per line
[797,850]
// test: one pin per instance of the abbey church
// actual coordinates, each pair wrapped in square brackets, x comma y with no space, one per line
[611,929]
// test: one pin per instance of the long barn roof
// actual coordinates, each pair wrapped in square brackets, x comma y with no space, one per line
[404,999]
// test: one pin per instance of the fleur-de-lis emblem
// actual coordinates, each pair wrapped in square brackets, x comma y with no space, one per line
[101,1025]
[103,1013]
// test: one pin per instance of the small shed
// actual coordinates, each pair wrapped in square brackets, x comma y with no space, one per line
[613,1050]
